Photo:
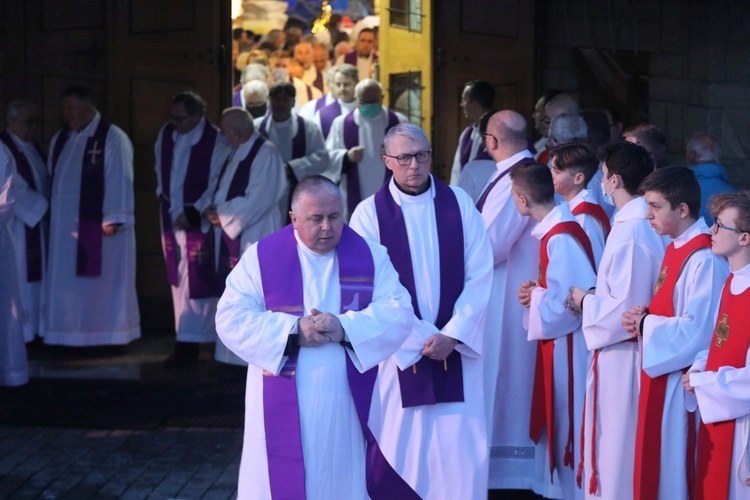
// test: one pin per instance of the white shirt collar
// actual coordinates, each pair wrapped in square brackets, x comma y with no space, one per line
[699,227]
[634,209]
[560,213]
[399,196]
[504,165]
[741,280]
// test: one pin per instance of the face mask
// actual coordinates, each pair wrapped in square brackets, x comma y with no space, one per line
[369,110]
[280,74]
[257,111]
[607,197]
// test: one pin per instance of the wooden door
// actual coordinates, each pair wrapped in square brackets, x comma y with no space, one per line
[489,40]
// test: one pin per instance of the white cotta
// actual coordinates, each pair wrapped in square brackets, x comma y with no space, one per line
[590,224]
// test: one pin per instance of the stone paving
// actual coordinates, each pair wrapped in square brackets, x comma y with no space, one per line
[166,463]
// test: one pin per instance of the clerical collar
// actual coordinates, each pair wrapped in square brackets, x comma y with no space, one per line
[414,193]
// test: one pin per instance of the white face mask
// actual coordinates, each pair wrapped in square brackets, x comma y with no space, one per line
[607,197]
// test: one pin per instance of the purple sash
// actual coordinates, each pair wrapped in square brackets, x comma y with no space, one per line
[466,143]
[90,205]
[351,139]
[201,274]
[299,142]
[237,98]
[485,194]
[327,115]
[229,249]
[33,235]
[428,382]
[318,83]
[351,58]
[281,277]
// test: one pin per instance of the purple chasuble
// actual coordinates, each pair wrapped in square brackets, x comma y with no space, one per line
[327,115]
[229,249]
[33,235]
[485,194]
[201,272]
[281,277]
[299,142]
[428,381]
[351,139]
[90,206]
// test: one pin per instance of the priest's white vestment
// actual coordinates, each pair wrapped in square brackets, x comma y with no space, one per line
[474,177]
[441,449]
[477,142]
[83,310]
[333,445]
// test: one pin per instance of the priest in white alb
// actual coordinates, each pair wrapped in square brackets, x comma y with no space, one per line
[343,82]
[90,290]
[313,309]
[429,413]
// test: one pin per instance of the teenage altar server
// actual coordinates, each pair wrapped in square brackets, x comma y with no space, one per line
[626,277]
[429,418]
[719,379]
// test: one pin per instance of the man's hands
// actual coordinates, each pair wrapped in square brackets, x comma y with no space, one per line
[355,154]
[631,320]
[439,347]
[524,292]
[319,328]
[212,216]
[686,382]
[110,229]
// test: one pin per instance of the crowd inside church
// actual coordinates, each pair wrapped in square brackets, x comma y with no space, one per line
[566,315]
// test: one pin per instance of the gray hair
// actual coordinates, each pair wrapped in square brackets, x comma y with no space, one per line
[706,148]
[367,82]
[17,105]
[407,130]
[256,88]
[254,72]
[315,184]
[565,129]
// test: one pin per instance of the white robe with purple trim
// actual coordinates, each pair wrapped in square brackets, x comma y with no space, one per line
[103,310]
[440,450]
[333,444]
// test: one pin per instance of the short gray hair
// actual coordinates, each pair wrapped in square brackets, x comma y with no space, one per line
[565,129]
[407,130]
[254,71]
[315,184]
[348,70]
[17,105]
[367,82]
[705,146]
[255,88]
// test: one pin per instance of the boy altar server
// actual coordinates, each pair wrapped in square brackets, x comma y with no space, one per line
[627,274]
[566,258]
[675,327]
[719,378]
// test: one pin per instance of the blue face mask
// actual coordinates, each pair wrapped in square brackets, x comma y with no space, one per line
[607,197]
[369,110]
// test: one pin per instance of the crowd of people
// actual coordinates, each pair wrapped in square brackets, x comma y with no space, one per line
[556,319]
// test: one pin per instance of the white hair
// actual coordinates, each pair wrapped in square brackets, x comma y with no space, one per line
[255,88]
[254,72]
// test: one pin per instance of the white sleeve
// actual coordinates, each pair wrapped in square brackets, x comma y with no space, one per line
[316,161]
[336,150]
[723,394]
[118,179]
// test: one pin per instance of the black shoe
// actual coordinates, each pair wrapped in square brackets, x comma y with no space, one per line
[185,353]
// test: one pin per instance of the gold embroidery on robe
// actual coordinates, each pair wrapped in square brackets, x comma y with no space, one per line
[660,281]
[722,331]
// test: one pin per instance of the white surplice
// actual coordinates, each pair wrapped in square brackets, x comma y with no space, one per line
[308,110]
[725,395]
[474,177]
[371,169]
[590,224]
[671,344]
[30,207]
[548,319]
[255,214]
[477,141]
[193,318]
[626,278]
[101,310]
[440,450]
[333,444]
[14,368]
[508,357]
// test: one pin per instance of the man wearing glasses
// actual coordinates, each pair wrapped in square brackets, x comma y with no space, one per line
[433,386]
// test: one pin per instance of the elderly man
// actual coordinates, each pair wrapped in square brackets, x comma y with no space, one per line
[561,104]
[313,309]
[312,76]
[364,56]
[433,385]
[343,82]
[509,359]
[354,144]
[91,263]
[298,140]
[477,99]
[245,196]
[184,151]
[703,156]
[28,226]
[255,93]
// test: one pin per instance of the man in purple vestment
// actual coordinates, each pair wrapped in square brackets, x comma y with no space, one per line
[477,99]
[364,55]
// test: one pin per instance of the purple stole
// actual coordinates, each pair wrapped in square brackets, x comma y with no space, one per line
[229,249]
[466,142]
[483,198]
[351,139]
[320,103]
[299,142]
[237,98]
[428,382]
[351,58]
[33,235]
[201,274]
[327,115]
[90,205]
[281,277]
[318,83]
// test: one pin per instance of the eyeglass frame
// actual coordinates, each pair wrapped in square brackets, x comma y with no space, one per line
[408,157]
[718,226]
[486,135]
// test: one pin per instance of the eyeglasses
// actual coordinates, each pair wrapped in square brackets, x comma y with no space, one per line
[404,160]
[490,135]
[718,226]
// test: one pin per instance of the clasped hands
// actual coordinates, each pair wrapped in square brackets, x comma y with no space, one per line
[439,346]
[631,320]
[319,328]
[524,292]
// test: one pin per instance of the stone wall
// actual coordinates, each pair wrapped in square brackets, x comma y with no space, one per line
[698,64]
